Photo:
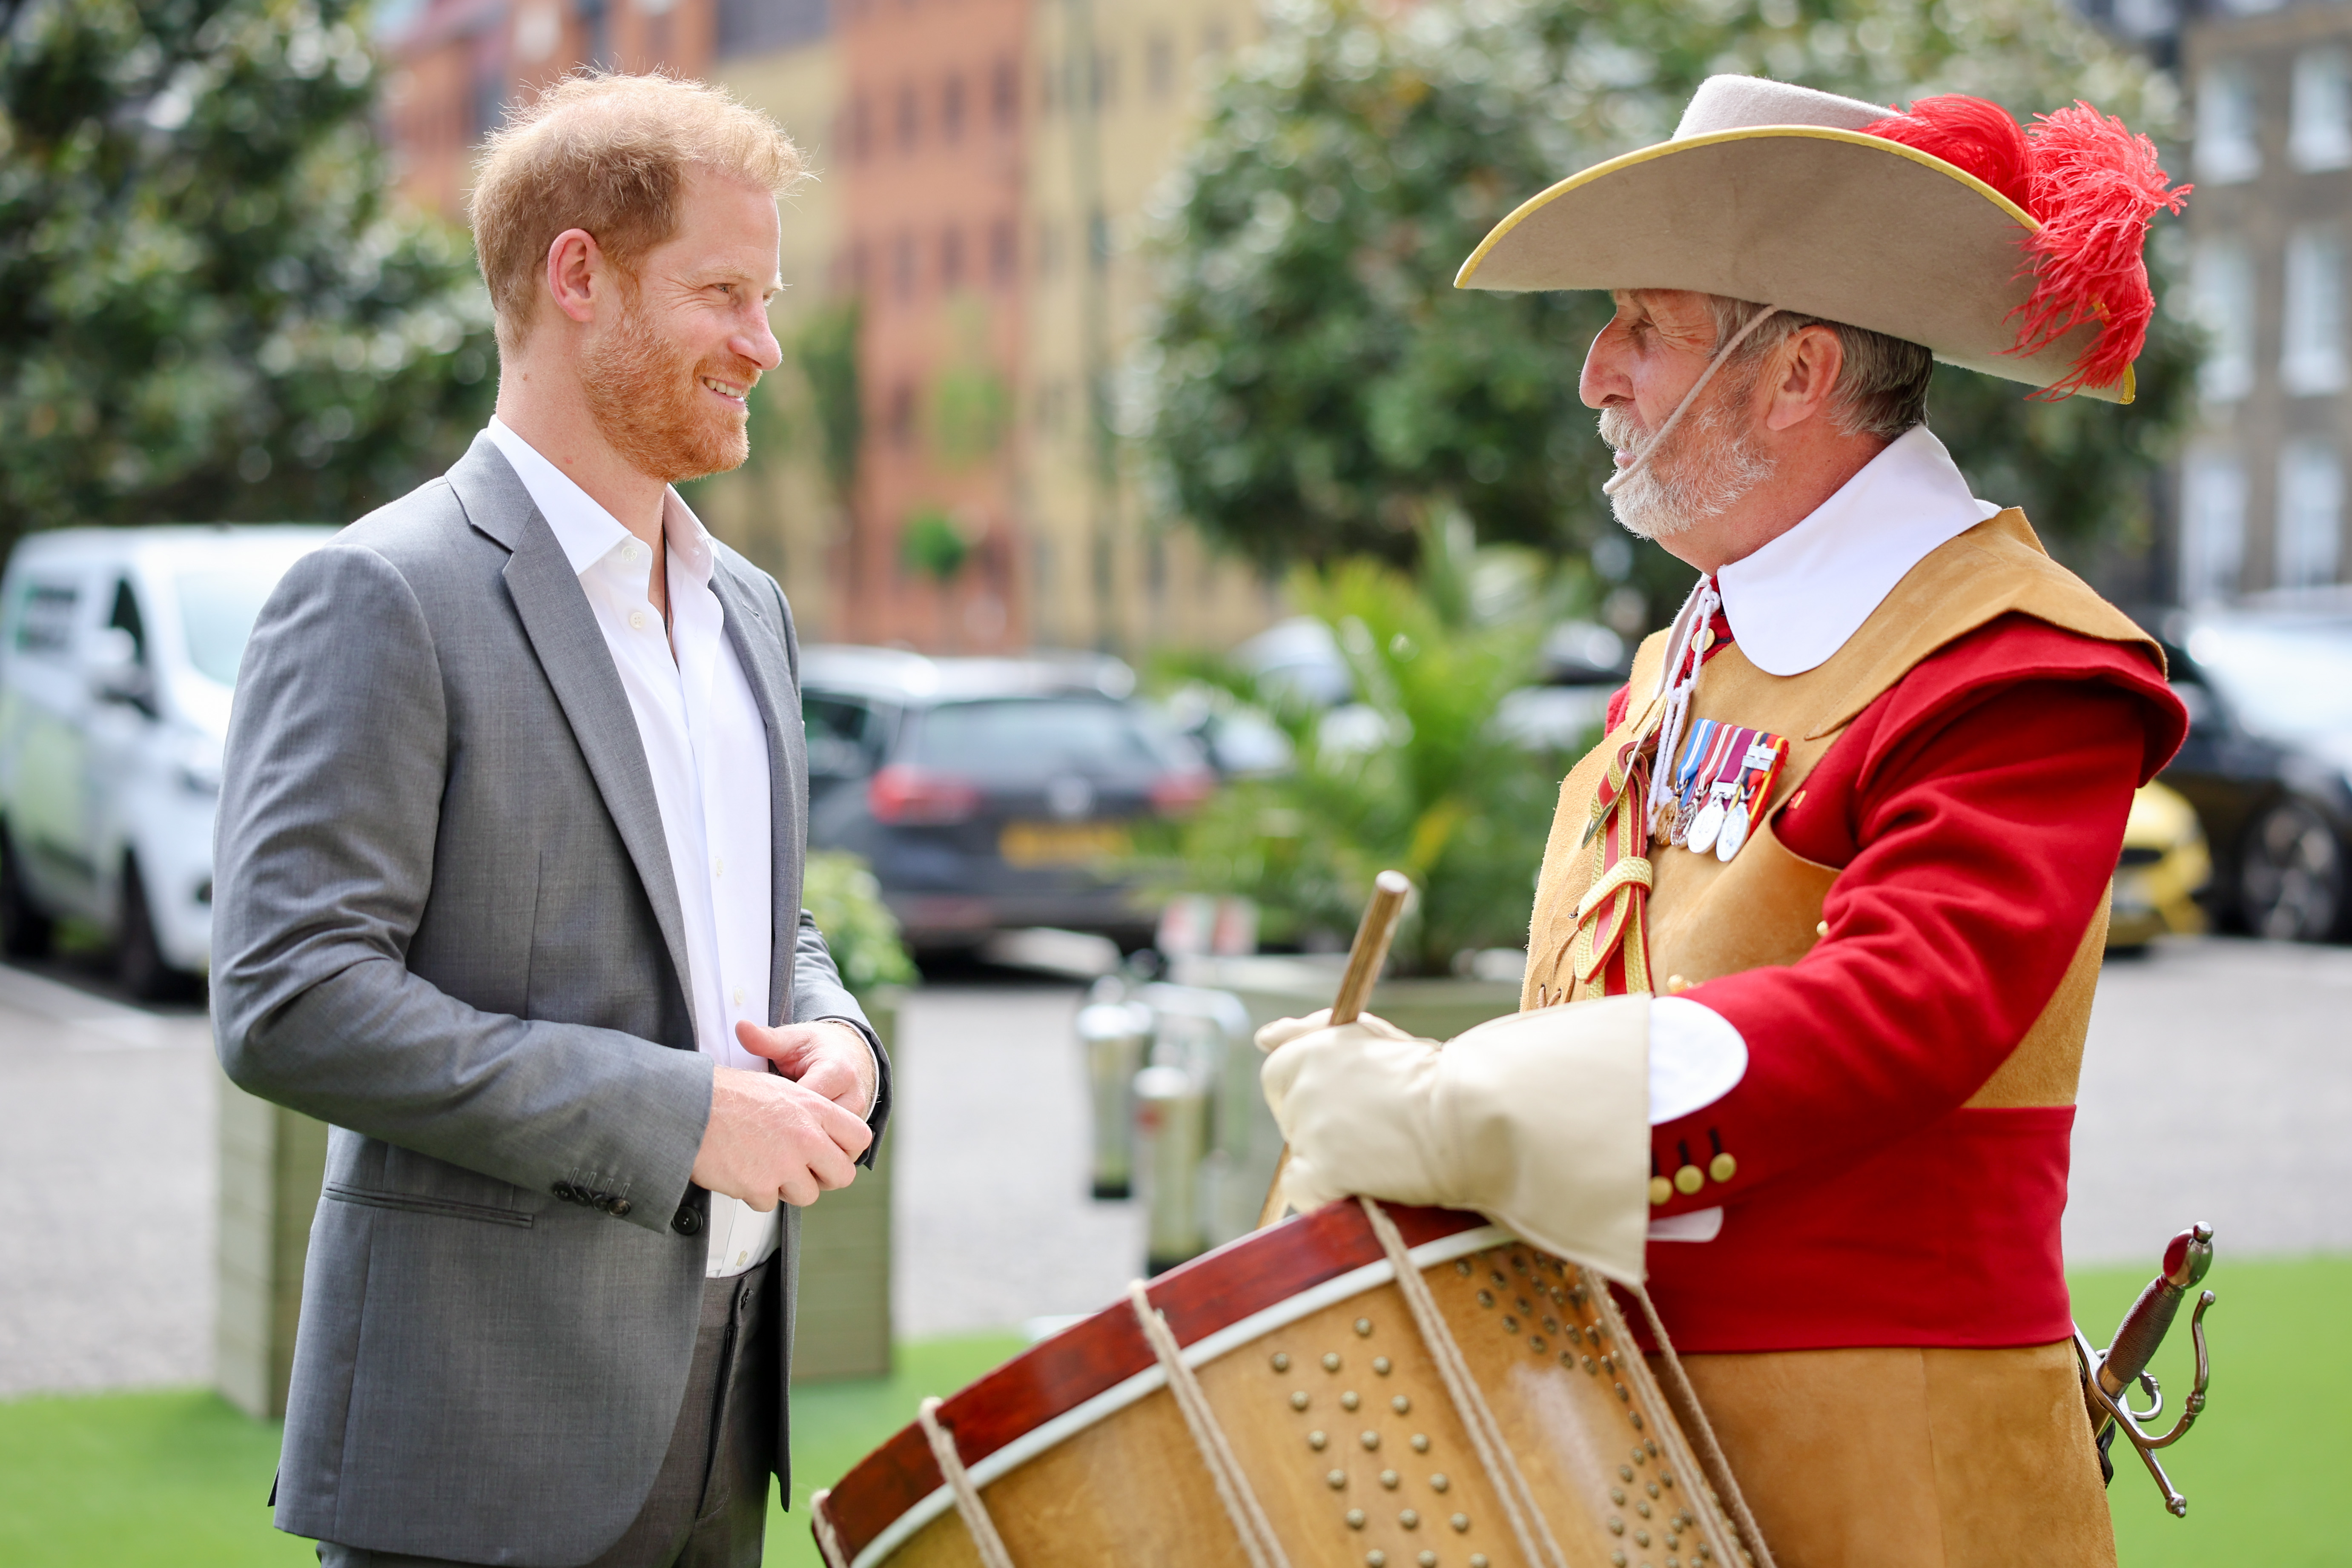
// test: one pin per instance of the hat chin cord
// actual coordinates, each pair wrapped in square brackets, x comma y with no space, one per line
[1642,459]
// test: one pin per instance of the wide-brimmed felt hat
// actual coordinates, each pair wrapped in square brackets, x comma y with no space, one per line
[2000,249]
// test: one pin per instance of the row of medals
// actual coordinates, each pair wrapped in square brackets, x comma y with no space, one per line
[1723,779]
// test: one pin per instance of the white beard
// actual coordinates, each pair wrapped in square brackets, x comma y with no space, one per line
[1710,463]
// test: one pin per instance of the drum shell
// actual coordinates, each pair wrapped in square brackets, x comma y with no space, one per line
[1592,1433]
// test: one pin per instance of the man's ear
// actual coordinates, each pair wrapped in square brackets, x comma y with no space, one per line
[1810,360]
[575,269]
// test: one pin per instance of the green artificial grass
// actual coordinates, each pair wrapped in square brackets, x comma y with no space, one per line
[177,1480]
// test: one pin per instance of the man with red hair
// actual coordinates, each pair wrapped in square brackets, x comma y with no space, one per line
[1826,905]
[510,842]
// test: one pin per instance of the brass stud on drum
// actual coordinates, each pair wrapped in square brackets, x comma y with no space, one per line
[1298,1400]
[1438,1482]
[1421,1442]
[1355,1519]
[1371,1439]
[1401,1404]
[1389,1478]
[1316,1441]
[1363,1327]
[1347,1401]
[1337,1480]
[1331,1361]
[1281,1361]
[1382,1365]
[1461,1523]
[1410,1520]
[1616,1525]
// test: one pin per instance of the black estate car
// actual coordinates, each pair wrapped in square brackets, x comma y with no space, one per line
[991,793]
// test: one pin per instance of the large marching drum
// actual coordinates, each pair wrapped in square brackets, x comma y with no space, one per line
[1297,1398]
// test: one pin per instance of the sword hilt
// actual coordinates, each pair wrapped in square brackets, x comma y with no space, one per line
[2186,1259]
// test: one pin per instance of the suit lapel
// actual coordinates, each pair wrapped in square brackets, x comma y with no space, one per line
[563,629]
[759,643]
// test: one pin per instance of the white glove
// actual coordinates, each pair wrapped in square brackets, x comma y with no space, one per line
[1539,1121]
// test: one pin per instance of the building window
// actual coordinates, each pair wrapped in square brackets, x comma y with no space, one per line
[2212,526]
[951,260]
[2320,133]
[1004,255]
[2311,357]
[2310,513]
[910,113]
[900,420]
[902,266]
[1160,66]
[2223,278]
[1005,94]
[861,128]
[951,109]
[2228,125]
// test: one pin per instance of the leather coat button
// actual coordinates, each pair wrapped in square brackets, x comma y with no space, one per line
[686,1221]
[619,1209]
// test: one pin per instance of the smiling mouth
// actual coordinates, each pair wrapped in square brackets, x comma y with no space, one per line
[729,390]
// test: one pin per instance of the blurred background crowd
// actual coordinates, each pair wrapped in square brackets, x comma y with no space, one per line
[1173,548]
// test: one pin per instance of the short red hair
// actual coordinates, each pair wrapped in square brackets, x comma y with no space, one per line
[607,153]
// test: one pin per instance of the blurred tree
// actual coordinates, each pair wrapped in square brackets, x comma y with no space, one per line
[1315,384]
[209,307]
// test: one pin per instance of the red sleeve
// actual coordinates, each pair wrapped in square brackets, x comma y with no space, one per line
[1617,702]
[1976,812]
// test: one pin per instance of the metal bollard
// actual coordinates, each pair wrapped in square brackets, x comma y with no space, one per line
[1113,1035]
[1172,1128]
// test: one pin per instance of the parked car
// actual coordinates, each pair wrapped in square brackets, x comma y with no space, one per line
[1580,665]
[2163,869]
[118,650]
[991,794]
[2268,761]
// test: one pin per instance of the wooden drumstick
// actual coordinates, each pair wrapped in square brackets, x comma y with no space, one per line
[1365,958]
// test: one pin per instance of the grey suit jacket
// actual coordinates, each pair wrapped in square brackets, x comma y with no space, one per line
[445,922]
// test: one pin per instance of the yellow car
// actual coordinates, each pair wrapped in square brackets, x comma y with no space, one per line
[2164,865]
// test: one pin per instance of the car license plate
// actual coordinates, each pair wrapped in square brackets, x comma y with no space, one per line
[1027,844]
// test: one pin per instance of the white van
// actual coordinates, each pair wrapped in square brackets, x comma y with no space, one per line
[118,651]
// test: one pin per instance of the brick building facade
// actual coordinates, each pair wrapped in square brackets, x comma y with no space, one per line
[981,168]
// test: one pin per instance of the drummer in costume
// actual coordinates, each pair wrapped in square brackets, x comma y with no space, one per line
[1836,880]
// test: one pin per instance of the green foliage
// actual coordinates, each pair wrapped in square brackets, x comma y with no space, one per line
[1315,384]
[934,546]
[969,406]
[1440,795]
[826,348]
[841,895]
[209,307]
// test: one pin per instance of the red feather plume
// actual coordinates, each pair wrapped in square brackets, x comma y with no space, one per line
[2092,185]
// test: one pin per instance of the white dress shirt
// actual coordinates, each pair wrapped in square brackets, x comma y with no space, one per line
[1792,605]
[707,748]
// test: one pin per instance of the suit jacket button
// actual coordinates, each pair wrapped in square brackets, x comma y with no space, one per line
[563,1190]
[620,1207]
[686,1221]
